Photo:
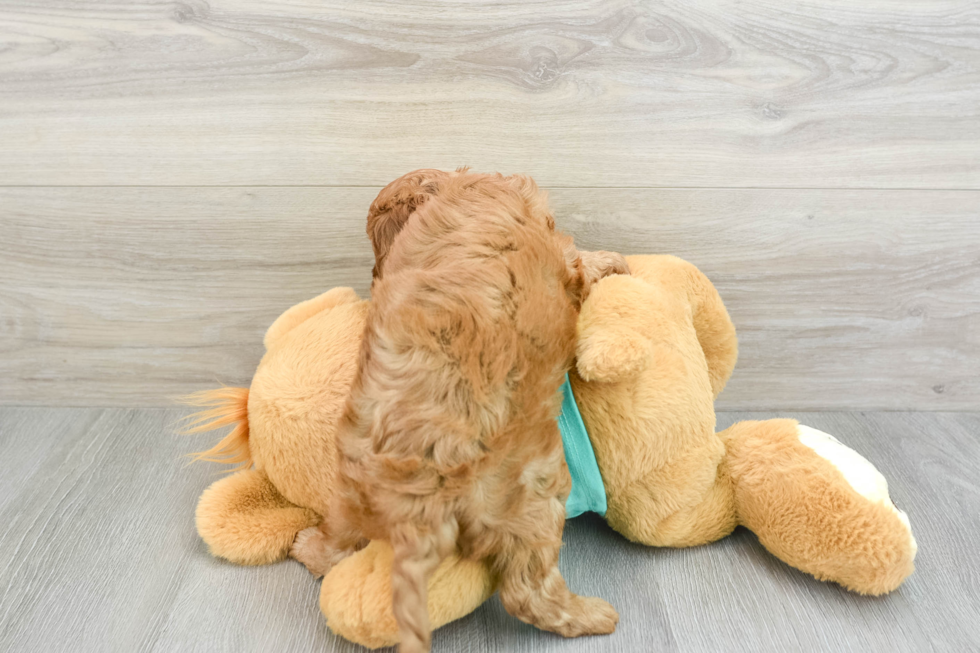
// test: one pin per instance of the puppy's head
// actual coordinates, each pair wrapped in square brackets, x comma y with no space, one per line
[395,204]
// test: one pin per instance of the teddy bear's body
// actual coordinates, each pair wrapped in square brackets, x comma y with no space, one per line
[655,349]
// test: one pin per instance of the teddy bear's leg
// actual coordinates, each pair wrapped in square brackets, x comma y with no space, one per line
[687,502]
[244,519]
[355,596]
[818,505]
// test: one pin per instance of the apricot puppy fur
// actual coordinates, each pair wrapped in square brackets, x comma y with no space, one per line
[449,441]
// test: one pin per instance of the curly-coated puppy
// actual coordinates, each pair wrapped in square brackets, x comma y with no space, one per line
[450,440]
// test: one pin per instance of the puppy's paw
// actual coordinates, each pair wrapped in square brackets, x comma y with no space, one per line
[591,616]
[312,548]
[600,264]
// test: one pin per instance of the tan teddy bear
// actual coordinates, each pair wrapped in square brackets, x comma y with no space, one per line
[655,349]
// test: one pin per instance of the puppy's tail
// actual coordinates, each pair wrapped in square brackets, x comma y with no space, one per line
[222,407]
[418,551]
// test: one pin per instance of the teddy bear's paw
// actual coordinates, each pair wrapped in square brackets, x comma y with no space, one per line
[315,551]
[589,615]
[856,470]
[611,356]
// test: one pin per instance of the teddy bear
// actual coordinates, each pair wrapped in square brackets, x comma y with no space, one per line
[654,350]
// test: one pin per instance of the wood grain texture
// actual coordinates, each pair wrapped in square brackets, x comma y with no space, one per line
[99,553]
[842,298]
[578,92]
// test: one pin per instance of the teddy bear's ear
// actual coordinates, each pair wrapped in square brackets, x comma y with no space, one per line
[612,344]
[296,315]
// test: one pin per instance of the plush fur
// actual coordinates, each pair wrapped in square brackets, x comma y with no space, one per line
[654,349]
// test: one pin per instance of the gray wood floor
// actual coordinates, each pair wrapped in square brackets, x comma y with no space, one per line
[98,553]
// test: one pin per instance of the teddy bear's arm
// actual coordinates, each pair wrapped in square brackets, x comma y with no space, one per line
[612,344]
[244,519]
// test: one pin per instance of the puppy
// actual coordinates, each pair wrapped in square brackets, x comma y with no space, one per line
[449,440]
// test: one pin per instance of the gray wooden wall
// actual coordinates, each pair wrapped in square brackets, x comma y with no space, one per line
[173,175]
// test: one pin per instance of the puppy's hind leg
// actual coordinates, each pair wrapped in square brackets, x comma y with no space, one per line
[533,590]
[321,547]
[418,550]
[317,551]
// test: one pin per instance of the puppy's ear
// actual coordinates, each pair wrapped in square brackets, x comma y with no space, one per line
[576,284]
[393,207]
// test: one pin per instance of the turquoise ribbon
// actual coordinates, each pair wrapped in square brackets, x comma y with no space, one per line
[588,492]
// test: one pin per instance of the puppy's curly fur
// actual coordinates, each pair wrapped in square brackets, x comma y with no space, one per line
[449,441]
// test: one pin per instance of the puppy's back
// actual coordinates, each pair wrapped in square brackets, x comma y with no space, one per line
[472,324]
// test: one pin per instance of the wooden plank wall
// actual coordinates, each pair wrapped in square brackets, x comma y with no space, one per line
[174,175]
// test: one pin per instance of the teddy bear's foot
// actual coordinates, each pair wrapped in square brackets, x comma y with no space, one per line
[318,554]
[244,519]
[819,505]
[356,595]
[857,471]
